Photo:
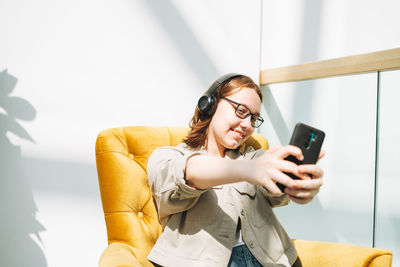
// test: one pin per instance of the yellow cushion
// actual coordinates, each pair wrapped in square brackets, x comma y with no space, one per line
[326,254]
[119,254]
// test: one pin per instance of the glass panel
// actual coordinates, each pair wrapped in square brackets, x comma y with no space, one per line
[345,108]
[388,197]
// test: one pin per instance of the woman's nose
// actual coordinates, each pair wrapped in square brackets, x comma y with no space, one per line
[246,122]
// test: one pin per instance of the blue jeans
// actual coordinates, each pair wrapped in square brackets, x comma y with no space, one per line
[242,257]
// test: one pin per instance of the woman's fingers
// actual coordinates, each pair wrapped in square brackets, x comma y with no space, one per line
[272,188]
[314,170]
[286,180]
[302,193]
[278,177]
[299,200]
[289,150]
[311,184]
[306,190]
[290,167]
[301,196]
[287,166]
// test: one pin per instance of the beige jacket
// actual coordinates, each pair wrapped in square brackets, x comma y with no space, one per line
[200,225]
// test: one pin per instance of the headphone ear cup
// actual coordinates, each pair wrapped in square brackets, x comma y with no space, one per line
[207,105]
[203,105]
[213,105]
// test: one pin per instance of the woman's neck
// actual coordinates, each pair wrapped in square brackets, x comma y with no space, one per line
[214,149]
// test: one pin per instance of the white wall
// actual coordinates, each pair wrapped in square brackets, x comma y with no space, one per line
[69,69]
[295,32]
[345,107]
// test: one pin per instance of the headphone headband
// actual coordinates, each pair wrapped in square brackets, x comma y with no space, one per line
[221,80]
[208,102]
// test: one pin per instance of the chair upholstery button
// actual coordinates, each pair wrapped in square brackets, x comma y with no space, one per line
[140,214]
[251,244]
[242,212]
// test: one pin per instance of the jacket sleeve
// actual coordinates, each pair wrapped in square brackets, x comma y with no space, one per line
[275,201]
[166,172]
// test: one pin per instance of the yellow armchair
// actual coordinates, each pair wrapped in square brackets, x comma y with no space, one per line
[131,216]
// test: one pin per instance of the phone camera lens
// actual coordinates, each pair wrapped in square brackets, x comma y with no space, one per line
[307,144]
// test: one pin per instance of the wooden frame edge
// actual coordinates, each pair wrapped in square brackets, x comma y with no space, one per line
[369,62]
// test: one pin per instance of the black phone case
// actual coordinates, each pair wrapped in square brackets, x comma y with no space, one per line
[309,140]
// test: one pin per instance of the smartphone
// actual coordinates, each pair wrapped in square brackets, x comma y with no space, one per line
[309,140]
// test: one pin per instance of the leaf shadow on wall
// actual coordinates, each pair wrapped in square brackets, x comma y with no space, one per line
[18,224]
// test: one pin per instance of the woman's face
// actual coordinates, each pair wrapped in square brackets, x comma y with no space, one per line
[226,130]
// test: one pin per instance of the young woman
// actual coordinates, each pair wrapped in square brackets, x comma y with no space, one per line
[215,198]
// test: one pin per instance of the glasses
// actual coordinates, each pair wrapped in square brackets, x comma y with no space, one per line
[243,112]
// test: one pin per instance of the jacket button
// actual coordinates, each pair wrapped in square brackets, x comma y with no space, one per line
[251,244]
[242,212]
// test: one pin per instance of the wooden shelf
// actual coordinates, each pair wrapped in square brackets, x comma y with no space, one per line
[369,62]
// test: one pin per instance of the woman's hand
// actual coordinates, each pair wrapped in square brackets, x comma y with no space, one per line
[270,168]
[309,186]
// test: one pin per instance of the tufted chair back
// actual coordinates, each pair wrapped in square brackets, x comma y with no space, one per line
[130,214]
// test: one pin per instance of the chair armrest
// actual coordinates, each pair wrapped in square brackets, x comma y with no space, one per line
[327,254]
[121,255]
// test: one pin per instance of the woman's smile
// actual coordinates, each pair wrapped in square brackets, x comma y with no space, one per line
[238,133]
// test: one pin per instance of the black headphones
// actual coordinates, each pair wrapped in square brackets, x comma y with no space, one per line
[207,104]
